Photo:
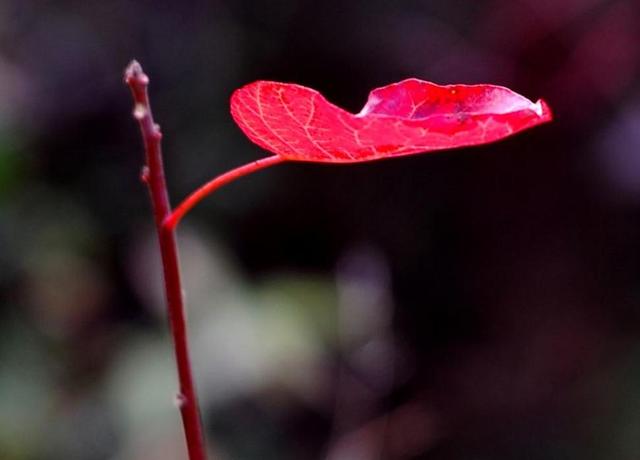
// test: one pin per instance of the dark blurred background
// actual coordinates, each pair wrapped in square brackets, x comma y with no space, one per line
[477,304]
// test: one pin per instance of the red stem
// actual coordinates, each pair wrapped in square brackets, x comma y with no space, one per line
[153,175]
[172,221]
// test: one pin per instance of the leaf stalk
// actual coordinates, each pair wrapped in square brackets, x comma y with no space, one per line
[172,221]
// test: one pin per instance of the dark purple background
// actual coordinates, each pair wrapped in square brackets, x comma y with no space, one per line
[477,304]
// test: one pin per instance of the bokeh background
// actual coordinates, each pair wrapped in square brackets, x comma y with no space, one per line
[477,304]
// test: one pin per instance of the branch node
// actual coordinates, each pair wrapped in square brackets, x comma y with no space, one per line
[144,174]
[180,400]
[139,111]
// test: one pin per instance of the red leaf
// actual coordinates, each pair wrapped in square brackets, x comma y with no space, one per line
[298,123]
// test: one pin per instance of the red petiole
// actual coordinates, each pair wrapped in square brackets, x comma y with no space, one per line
[172,221]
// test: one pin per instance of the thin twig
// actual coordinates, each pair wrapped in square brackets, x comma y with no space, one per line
[153,175]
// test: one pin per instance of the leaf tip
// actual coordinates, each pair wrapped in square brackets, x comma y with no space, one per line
[543,110]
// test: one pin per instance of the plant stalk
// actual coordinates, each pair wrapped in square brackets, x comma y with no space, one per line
[214,184]
[153,176]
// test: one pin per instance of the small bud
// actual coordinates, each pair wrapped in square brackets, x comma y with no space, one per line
[132,70]
[134,75]
[179,400]
[139,111]
[156,133]
[144,174]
